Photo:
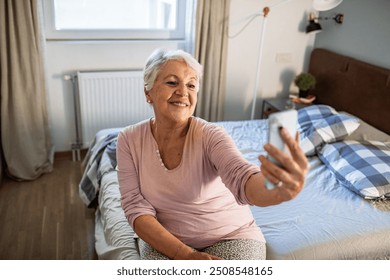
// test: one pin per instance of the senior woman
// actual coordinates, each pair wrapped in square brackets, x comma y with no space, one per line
[185,187]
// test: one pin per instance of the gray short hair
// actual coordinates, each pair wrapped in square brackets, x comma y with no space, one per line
[157,59]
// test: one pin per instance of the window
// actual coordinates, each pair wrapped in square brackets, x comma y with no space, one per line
[115,19]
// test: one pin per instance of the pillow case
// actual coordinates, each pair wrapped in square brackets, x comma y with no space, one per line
[366,132]
[321,124]
[362,167]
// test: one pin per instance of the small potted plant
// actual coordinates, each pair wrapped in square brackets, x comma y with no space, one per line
[305,82]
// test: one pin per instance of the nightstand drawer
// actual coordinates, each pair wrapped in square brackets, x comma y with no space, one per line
[272,105]
[268,111]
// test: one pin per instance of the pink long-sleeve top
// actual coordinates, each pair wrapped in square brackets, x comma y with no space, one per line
[201,201]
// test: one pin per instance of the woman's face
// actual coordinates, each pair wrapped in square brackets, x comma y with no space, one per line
[174,93]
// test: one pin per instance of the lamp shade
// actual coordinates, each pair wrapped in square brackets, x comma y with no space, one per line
[325,5]
[313,27]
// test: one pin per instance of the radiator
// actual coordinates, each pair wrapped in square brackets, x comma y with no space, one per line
[108,99]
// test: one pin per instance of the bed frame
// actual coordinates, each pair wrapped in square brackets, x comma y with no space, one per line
[353,86]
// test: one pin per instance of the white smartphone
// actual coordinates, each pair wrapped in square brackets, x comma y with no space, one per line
[286,119]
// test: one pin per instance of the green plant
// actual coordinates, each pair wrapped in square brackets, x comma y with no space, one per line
[305,81]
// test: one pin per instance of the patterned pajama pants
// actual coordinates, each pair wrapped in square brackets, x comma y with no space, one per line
[238,249]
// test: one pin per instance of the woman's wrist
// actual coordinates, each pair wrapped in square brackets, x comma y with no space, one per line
[177,252]
[182,252]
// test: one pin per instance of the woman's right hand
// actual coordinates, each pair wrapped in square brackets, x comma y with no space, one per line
[187,253]
[195,255]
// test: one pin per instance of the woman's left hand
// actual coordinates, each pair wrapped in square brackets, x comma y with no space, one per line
[290,177]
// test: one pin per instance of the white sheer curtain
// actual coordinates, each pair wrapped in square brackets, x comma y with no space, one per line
[25,135]
[212,19]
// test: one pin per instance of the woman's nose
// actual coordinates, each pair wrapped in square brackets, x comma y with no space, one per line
[181,90]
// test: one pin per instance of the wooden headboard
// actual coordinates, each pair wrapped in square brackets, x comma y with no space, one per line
[353,86]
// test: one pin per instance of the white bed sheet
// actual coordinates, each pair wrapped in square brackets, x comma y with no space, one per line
[325,221]
[115,239]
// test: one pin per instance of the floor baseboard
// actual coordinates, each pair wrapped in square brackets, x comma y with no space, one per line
[67,155]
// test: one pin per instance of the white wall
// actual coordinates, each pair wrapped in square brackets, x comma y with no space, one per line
[365,33]
[286,48]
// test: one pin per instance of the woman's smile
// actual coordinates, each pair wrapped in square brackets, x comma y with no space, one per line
[179,104]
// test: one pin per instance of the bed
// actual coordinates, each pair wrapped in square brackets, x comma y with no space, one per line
[343,212]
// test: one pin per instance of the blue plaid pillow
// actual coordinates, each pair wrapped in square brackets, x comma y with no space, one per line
[363,167]
[321,124]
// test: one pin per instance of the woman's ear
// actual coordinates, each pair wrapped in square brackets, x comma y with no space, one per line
[147,95]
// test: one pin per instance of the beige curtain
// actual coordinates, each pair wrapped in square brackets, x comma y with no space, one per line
[25,136]
[212,19]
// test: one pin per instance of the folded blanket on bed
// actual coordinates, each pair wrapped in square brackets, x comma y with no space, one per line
[101,154]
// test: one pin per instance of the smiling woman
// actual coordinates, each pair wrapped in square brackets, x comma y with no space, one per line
[185,186]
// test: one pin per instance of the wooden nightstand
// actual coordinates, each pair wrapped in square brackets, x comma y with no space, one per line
[272,105]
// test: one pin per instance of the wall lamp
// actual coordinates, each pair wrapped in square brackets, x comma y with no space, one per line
[323,5]
[315,27]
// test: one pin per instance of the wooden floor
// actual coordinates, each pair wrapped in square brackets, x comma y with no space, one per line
[45,219]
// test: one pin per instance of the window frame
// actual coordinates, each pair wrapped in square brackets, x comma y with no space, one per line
[51,33]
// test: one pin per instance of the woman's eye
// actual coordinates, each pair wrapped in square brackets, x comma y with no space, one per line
[172,83]
[191,86]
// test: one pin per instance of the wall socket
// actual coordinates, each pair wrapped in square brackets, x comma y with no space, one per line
[283,57]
